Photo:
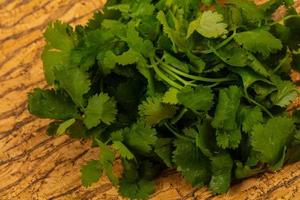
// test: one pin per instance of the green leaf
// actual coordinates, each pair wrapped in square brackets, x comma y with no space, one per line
[106,160]
[117,136]
[248,76]
[205,138]
[195,167]
[199,98]
[221,173]
[244,171]
[51,104]
[124,151]
[140,137]
[163,148]
[228,134]
[286,92]
[152,111]
[133,184]
[175,37]
[270,139]
[109,60]
[75,82]
[249,10]
[137,43]
[136,190]
[57,51]
[227,108]
[279,164]
[258,41]
[170,96]
[209,24]
[228,138]
[64,126]
[101,108]
[258,66]
[250,117]
[90,172]
[233,55]
[141,8]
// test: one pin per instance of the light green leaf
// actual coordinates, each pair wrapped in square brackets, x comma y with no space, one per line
[209,24]
[64,126]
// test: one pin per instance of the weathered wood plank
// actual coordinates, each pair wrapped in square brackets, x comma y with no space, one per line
[34,166]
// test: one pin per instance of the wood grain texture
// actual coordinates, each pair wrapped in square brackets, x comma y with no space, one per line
[34,166]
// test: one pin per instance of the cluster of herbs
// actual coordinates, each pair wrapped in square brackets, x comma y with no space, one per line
[160,84]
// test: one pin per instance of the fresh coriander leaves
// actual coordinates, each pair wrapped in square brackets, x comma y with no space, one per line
[160,84]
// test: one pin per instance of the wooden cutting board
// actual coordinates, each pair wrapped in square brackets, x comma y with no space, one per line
[34,166]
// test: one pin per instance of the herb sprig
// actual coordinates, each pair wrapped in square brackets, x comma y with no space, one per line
[162,84]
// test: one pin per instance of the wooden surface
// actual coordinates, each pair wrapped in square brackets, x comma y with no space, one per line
[36,167]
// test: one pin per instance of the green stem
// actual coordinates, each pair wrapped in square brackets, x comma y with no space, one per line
[167,79]
[212,85]
[256,103]
[178,77]
[179,116]
[196,78]
[177,134]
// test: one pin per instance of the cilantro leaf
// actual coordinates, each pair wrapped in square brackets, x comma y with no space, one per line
[101,108]
[225,121]
[57,52]
[124,151]
[286,92]
[106,160]
[153,111]
[205,138]
[221,173]
[249,10]
[227,108]
[163,148]
[90,172]
[233,55]
[244,171]
[250,117]
[51,104]
[170,96]
[195,167]
[136,190]
[209,24]
[172,34]
[133,184]
[269,139]
[109,59]
[75,82]
[199,98]
[140,137]
[228,138]
[137,43]
[259,41]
